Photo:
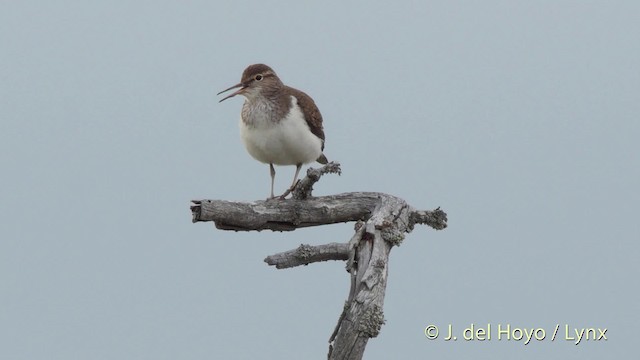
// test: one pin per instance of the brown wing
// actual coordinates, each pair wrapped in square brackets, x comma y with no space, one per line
[314,120]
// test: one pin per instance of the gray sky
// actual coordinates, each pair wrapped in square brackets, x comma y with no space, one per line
[519,119]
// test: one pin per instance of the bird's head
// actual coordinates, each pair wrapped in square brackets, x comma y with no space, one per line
[257,80]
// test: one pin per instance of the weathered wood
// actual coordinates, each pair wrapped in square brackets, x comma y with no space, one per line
[382,222]
[285,215]
[290,214]
[362,316]
[307,254]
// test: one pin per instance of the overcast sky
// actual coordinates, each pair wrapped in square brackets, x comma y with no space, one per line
[520,119]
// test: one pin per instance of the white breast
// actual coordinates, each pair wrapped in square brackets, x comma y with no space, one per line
[286,142]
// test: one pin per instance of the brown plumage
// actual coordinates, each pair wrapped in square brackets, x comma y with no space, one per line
[279,124]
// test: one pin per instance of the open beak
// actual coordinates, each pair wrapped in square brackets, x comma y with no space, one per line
[240,85]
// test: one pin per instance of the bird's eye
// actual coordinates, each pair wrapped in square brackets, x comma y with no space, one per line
[259,77]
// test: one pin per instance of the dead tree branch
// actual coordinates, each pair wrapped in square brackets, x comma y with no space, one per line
[307,254]
[382,221]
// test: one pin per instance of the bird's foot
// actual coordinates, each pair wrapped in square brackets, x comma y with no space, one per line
[278,197]
[284,196]
[286,193]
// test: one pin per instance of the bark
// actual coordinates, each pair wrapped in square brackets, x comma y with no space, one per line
[382,221]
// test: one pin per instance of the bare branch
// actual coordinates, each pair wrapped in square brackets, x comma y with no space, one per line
[382,222]
[285,215]
[307,254]
[362,317]
[305,186]
[290,214]
[437,218]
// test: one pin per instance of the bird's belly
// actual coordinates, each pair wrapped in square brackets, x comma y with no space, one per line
[287,142]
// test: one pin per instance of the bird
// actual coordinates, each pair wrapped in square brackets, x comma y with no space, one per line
[279,125]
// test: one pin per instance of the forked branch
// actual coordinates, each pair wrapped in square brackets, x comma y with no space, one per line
[382,221]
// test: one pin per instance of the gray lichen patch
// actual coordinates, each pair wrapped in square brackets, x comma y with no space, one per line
[372,321]
[304,251]
[392,235]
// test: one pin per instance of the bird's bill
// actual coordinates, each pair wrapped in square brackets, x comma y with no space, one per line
[240,85]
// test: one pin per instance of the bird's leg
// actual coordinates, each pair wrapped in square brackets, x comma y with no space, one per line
[294,183]
[273,177]
[295,177]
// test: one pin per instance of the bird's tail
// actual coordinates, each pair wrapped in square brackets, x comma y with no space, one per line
[322,159]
